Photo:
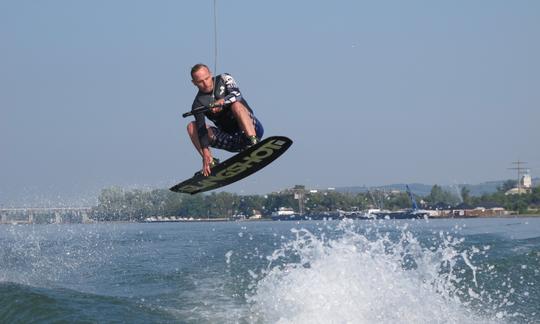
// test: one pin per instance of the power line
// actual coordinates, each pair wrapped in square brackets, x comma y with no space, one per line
[215,49]
[520,171]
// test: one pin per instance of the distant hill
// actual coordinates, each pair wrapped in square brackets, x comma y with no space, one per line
[425,189]
[417,188]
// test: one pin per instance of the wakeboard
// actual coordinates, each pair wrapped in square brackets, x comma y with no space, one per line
[237,167]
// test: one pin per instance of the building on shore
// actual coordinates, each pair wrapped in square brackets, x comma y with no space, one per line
[524,185]
[464,210]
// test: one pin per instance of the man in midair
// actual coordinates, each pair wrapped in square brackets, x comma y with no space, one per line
[235,126]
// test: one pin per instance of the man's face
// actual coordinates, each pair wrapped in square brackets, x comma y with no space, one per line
[203,80]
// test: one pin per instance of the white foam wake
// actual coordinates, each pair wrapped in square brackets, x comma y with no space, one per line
[356,279]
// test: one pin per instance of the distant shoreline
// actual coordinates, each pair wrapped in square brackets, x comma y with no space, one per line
[218,220]
[210,220]
[486,217]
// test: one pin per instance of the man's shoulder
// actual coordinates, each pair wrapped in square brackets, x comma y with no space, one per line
[228,79]
[225,76]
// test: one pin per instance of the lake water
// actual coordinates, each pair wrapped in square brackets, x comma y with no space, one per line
[386,271]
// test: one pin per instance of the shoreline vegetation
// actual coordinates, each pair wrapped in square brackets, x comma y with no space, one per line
[117,204]
[161,205]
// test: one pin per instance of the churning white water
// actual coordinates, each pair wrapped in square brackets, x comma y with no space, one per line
[368,278]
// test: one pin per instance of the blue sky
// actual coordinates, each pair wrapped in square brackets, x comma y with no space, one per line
[372,93]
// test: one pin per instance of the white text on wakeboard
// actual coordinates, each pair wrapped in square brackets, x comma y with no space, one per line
[237,168]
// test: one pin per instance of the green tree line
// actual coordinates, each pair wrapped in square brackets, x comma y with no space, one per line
[519,203]
[136,205]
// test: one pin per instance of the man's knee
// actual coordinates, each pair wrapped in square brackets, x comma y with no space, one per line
[192,128]
[238,108]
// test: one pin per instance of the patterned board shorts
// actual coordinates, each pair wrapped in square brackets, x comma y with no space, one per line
[235,142]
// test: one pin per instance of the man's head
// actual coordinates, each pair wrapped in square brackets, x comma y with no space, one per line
[202,78]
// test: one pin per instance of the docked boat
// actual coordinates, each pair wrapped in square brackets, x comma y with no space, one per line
[285,214]
[400,214]
[412,213]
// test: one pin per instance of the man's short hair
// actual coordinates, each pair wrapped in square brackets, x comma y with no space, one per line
[197,67]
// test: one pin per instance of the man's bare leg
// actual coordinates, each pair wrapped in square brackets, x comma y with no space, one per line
[194,135]
[206,154]
[246,123]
